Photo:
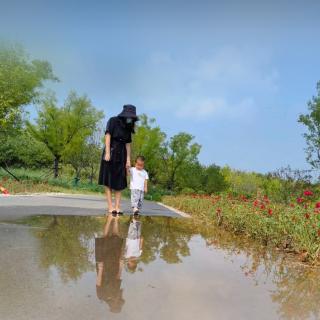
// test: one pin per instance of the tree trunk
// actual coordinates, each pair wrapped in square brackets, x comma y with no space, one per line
[171,182]
[56,167]
[11,174]
[77,178]
[91,177]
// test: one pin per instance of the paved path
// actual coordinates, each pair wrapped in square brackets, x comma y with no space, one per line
[17,206]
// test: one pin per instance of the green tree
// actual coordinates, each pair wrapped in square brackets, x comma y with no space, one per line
[213,180]
[312,121]
[190,177]
[85,156]
[23,150]
[241,182]
[148,141]
[180,151]
[20,81]
[65,244]
[93,152]
[64,129]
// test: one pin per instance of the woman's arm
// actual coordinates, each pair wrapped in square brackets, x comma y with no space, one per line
[128,146]
[146,186]
[107,141]
[99,273]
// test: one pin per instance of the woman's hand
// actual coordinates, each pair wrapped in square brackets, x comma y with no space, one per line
[128,164]
[107,156]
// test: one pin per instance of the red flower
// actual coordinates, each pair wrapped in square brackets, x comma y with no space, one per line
[270,212]
[255,203]
[262,207]
[266,199]
[299,200]
[4,190]
[307,215]
[308,193]
[318,204]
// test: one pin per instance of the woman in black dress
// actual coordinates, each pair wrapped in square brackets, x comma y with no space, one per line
[116,155]
[109,264]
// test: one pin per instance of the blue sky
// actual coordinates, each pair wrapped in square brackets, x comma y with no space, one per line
[235,74]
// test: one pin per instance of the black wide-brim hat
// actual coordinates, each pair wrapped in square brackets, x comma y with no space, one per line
[129,111]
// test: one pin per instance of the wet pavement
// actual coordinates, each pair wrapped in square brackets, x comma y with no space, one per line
[17,206]
[62,267]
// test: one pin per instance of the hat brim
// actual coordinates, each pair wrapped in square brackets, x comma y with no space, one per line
[128,115]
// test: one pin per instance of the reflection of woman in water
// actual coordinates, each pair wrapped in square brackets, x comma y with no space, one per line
[108,250]
[134,244]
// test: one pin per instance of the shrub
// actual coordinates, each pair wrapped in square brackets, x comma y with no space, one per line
[187,191]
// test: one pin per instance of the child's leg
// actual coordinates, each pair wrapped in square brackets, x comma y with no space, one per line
[141,197]
[134,199]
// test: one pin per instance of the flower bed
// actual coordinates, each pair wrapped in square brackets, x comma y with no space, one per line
[294,227]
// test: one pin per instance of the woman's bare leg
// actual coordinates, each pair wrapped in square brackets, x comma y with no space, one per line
[107,225]
[118,199]
[115,227]
[109,199]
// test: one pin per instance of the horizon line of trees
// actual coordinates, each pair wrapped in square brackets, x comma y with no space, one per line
[71,135]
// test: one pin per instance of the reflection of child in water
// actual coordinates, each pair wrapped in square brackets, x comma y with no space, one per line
[134,244]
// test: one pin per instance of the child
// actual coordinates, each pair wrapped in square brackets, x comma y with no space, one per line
[138,184]
[134,244]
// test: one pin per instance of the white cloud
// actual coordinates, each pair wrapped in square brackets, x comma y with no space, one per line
[231,83]
[217,107]
[239,68]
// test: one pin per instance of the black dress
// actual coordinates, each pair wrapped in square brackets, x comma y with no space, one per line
[113,173]
[108,250]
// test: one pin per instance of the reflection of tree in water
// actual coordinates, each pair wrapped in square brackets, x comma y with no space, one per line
[298,293]
[297,288]
[165,237]
[64,244]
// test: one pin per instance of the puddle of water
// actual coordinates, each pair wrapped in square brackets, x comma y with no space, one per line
[60,267]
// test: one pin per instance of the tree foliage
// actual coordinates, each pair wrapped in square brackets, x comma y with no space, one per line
[85,156]
[179,152]
[148,141]
[64,129]
[20,82]
[23,150]
[312,122]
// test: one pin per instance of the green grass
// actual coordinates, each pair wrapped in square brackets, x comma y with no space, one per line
[33,181]
[37,181]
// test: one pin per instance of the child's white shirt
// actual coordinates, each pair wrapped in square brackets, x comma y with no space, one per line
[137,178]
[132,249]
